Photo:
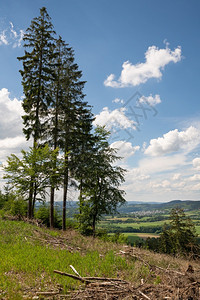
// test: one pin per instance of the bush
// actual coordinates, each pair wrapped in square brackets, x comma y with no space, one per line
[15,205]
[43,214]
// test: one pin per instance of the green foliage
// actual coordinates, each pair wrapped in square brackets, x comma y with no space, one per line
[3,200]
[15,205]
[181,235]
[36,167]
[100,187]
[43,214]
[36,74]
[119,238]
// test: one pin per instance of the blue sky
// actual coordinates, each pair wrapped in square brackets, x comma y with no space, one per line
[141,63]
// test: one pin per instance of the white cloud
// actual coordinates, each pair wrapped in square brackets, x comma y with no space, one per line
[3,38]
[159,164]
[12,145]
[174,141]
[195,177]
[11,37]
[176,176]
[163,184]
[117,100]
[11,112]
[13,31]
[196,163]
[156,60]
[115,118]
[125,149]
[135,174]
[150,100]
[11,137]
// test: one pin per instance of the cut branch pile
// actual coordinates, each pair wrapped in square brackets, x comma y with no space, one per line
[175,285]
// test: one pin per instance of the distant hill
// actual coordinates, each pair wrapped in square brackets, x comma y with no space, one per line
[132,206]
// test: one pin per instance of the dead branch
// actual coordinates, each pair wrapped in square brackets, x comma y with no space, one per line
[106,279]
[72,276]
[47,293]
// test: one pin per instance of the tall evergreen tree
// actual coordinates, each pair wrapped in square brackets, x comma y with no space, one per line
[36,74]
[53,127]
[73,107]
[69,113]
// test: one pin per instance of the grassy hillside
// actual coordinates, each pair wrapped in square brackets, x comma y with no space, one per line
[29,255]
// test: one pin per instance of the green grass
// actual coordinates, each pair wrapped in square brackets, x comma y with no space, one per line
[136,225]
[29,256]
[27,265]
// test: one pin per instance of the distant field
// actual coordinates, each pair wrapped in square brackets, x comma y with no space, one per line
[141,235]
[138,224]
[121,222]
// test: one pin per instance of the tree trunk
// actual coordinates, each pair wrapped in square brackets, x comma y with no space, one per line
[52,207]
[81,196]
[30,200]
[64,201]
[34,199]
[65,187]
[94,226]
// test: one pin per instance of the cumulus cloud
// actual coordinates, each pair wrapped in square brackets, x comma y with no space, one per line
[11,112]
[124,149]
[12,145]
[196,163]
[174,141]
[11,37]
[155,61]
[11,137]
[115,118]
[150,100]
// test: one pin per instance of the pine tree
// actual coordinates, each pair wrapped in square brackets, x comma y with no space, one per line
[54,124]
[72,112]
[36,74]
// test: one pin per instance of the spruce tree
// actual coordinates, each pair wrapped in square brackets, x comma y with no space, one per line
[71,111]
[36,74]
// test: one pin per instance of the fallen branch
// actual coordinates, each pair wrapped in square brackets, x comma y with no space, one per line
[47,293]
[106,279]
[72,276]
[89,279]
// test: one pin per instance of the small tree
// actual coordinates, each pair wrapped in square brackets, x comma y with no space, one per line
[37,164]
[181,235]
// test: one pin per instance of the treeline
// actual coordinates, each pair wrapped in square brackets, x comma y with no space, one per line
[66,151]
[141,229]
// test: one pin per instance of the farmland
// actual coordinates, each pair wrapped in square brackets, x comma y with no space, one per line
[140,221]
